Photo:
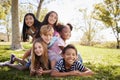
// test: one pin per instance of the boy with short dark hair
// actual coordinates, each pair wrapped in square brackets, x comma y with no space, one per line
[69,65]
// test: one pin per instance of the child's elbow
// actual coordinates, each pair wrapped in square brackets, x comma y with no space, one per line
[52,74]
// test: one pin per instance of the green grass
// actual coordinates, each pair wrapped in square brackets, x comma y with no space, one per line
[104,62]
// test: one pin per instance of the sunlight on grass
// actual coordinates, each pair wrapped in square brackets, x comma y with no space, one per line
[104,62]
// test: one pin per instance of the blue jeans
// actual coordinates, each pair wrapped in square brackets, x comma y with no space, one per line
[80,58]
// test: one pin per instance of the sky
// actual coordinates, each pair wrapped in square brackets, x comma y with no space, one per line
[67,9]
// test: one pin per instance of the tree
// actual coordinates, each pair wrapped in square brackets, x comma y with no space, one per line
[5,6]
[5,15]
[40,6]
[15,27]
[109,13]
[89,29]
[38,9]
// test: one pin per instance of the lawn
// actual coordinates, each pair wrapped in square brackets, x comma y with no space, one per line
[104,62]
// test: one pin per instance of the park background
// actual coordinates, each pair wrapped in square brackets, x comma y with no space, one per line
[96,34]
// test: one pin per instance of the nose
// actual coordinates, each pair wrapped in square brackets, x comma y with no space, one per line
[71,56]
[37,49]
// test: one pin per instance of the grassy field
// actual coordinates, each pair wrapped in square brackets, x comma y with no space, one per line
[104,62]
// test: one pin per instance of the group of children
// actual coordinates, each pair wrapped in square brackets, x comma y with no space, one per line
[49,52]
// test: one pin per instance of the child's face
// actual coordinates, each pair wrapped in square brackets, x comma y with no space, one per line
[52,18]
[66,33]
[38,49]
[29,20]
[70,56]
[47,37]
[68,27]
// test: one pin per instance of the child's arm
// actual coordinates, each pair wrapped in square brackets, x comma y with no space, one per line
[32,72]
[56,73]
[27,53]
[46,71]
[61,47]
[41,71]
[87,72]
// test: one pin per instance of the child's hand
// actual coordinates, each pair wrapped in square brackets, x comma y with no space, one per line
[32,72]
[89,73]
[74,73]
[39,71]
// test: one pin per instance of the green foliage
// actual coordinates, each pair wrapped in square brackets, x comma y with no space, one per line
[107,12]
[106,45]
[2,11]
[4,8]
[43,12]
[104,62]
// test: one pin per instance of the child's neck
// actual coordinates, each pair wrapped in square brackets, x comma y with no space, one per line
[32,28]
[63,39]
[67,66]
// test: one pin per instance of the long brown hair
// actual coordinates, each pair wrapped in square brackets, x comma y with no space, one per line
[39,61]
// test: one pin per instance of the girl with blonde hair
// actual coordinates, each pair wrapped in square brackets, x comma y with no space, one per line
[39,58]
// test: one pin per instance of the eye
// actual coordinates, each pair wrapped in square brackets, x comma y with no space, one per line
[40,47]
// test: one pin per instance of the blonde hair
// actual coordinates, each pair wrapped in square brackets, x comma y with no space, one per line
[46,29]
[39,61]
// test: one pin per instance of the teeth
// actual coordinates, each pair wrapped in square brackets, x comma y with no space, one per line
[70,60]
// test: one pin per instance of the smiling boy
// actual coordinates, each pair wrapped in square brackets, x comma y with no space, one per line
[69,65]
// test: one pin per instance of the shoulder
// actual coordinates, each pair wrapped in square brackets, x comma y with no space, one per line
[59,65]
[60,62]
[77,63]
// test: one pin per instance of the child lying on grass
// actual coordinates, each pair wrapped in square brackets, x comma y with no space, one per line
[69,65]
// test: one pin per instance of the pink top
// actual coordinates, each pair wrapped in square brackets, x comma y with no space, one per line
[55,47]
[56,34]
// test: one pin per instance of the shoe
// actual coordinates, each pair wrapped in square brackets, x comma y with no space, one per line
[4,63]
[12,58]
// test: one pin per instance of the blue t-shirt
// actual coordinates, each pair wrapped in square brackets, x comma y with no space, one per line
[60,66]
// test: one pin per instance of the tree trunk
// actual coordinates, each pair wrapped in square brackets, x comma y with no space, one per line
[117,44]
[39,8]
[16,44]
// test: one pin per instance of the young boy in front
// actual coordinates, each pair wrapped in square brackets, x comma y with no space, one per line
[69,65]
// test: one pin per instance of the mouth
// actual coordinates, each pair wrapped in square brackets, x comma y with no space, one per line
[70,61]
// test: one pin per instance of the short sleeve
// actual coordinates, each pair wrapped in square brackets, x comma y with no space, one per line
[80,66]
[58,65]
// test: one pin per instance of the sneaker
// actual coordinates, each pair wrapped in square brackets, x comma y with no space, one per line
[4,63]
[12,58]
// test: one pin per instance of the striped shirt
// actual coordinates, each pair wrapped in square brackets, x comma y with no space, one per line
[60,66]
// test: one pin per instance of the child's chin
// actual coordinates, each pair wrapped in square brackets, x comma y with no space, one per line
[71,63]
[48,42]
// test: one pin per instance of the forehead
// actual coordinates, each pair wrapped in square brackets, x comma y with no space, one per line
[29,16]
[38,44]
[53,13]
[70,51]
[66,29]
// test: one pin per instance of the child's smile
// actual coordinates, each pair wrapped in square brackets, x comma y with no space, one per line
[38,49]
[70,56]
